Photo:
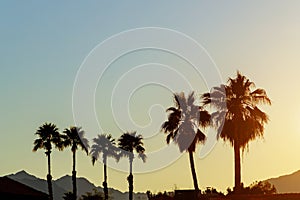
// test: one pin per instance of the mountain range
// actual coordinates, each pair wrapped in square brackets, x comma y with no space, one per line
[284,184]
[64,184]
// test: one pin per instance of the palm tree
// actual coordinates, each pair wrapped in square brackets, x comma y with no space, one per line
[47,135]
[104,144]
[74,137]
[183,125]
[237,117]
[129,142]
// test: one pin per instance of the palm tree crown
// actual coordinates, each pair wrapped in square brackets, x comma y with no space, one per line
[130,142]
[237,115]
[48,134]
[184,121]
[74,137]
[104,144]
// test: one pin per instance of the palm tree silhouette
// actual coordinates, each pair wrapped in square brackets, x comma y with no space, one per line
[183,125]
[129,142]
[68,196]
[104,144]
[237,117]
[47,135]
[74,137]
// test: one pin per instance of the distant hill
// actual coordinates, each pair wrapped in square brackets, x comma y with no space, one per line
[287,183]
[37,183]
[64,184]
[83,185]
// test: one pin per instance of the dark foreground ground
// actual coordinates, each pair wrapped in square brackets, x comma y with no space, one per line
[258,197]
[234,197]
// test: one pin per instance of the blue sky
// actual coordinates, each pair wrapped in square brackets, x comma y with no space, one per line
[44,43]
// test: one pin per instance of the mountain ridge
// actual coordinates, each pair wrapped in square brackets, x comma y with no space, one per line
[289,183]
[64,184]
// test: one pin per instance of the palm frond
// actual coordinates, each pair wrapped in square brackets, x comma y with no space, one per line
[94,159]
[169,137]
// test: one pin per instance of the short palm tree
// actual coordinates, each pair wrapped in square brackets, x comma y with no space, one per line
[129,142]
[68,196]
[104,144]
[94,195]
[48,135]
[183,125]
[74,137]
[237,116]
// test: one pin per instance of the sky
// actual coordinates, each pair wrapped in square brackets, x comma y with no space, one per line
[46,46]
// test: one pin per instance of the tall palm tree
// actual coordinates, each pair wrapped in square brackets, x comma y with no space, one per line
[74,137]
[237,116]
[47,135]
[104,144]
[129,142]
[183,125]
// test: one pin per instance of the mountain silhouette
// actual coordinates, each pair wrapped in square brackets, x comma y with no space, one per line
[284,184]
[288,183]
[38,184]
[64,184]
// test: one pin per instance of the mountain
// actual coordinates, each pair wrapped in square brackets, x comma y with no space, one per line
[83,185]
[38,184]
[287,183]
[64,184]
[284,184]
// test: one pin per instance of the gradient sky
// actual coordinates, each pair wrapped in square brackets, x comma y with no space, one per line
[44,43]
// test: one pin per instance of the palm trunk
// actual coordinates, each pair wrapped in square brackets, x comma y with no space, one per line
[105,188]
[130,180]
[74,176]
[49,177]
[193,170]
[237,168]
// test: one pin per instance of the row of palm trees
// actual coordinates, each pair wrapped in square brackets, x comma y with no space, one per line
[235,116]
[48,135]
